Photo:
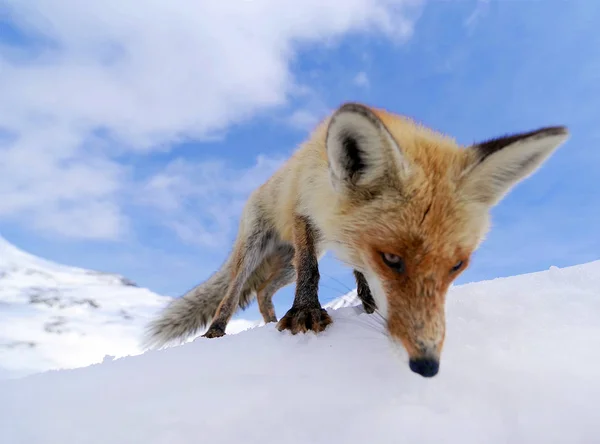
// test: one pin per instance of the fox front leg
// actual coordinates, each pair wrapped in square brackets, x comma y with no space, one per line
[364,292]
[306,312]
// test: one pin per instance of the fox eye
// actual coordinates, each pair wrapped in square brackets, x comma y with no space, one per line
[393,261]
[456,267]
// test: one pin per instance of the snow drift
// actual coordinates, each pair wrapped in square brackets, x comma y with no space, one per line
[54,316]
[520,365]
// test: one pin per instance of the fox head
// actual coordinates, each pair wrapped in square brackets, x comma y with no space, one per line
[413,207]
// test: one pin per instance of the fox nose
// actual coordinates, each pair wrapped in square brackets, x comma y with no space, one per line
[426,367]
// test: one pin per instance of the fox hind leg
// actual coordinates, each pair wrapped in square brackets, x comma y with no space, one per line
[283,274]
[248,256]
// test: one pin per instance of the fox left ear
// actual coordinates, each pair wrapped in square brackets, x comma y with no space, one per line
[360,150]
[497,165]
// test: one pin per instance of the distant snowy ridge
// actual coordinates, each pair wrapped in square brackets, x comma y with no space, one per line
[16,264]
[350,299]
[54,316]
[519,366]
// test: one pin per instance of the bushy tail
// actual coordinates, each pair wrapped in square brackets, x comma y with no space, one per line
[184,316]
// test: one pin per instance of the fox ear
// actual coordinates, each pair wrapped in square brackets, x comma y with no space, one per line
[497,165]
[360,150]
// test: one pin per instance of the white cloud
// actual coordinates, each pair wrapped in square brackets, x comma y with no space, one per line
[201,201]
[57,188]
[361,79]
[304,119]
[481,9]
[148,74]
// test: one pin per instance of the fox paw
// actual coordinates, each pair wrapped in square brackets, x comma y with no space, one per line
[368,307]
[304,319]
[213,333]
[368,302]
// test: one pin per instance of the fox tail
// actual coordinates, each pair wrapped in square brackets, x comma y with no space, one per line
[184,316]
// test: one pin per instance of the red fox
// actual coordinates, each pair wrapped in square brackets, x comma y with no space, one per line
[402,205]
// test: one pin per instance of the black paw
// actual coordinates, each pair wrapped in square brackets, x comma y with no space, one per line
[304,319]
[213,333]
[369,306]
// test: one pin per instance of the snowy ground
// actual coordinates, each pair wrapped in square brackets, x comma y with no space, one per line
[53,316]
[520,366]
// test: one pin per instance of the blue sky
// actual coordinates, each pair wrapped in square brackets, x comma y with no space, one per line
[130,141]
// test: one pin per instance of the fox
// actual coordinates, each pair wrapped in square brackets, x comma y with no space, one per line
[402,205]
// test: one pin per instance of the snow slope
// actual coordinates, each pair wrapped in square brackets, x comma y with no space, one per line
[520,365]
[54,316]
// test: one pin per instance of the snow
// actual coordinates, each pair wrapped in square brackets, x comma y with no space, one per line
[348,300]
[520,365]
[54,316]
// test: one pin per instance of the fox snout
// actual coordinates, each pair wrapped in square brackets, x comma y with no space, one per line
[425,360]
[415,319]
[423,341]
[423,352]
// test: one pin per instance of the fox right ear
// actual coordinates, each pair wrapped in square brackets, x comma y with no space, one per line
[360,150]
[499,164]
